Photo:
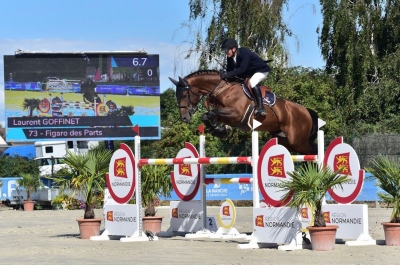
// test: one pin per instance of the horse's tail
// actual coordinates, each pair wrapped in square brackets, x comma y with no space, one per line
[314,129]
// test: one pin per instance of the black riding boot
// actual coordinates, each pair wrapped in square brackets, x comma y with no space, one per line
[260,110]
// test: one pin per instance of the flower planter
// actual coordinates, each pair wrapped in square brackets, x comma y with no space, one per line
[152,223]
[89,227]
[323,238]
[29,206]
[392,233]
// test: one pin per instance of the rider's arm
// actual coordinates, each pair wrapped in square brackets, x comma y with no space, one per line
[230,65]
[244,64]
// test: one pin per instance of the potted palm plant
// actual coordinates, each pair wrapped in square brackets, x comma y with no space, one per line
[309,186]
[155,182]
[31,183]
[386,171]
[87,178]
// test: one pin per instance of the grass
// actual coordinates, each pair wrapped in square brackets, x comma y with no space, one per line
[15,99]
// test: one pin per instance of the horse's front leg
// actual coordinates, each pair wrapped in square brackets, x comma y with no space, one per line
[214,127]
[205,118]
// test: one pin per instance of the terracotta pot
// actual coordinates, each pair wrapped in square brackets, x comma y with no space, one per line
[152,223]
[89,227]
[29,205]
[392,233]
[323,238]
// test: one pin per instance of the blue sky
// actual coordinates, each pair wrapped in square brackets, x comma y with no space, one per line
[153,25]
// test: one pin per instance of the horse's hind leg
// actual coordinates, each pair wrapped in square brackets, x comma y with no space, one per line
[305,147]
[284,141]
[313,147]
[298,145]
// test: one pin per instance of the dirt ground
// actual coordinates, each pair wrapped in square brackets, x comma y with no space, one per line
[52,237]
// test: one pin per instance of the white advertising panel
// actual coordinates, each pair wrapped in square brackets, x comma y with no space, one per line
[352,219]
[186,216]
[121,220]
[276,225]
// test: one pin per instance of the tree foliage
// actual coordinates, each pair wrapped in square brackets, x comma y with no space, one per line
[257,25]
[13,166]
[359,41]
[387,173]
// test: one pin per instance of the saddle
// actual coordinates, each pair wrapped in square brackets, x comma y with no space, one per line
[264,89]
[267,95]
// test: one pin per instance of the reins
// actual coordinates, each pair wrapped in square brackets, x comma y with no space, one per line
[201,97]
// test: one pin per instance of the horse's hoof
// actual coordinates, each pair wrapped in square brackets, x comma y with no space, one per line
[204,117]
[226,132]
[228,129]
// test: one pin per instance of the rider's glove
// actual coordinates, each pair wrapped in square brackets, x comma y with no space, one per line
[224,75]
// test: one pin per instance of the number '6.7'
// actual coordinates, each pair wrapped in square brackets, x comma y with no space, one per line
[139,61]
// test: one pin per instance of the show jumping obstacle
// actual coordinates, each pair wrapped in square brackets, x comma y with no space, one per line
[296,240]
[203,160]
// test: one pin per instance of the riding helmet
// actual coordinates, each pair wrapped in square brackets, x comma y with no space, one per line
[229,43]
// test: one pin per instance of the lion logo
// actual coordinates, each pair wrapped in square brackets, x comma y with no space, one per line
[276,171]
[342,162]
[120,168]
[276,166]
[276,161]
[185,169]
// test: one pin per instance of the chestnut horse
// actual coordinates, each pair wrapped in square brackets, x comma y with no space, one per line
[294,125]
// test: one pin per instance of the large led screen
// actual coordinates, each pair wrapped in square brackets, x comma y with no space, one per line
[86,96]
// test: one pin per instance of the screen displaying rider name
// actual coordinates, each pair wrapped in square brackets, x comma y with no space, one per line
[86,95]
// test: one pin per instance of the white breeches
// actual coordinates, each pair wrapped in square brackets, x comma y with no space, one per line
[257,78]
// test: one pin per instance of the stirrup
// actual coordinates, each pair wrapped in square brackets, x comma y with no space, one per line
[260,111]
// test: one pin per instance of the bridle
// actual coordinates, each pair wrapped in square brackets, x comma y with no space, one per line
[183,87]
[189,106]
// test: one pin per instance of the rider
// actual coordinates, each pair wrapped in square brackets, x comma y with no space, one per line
[244,63]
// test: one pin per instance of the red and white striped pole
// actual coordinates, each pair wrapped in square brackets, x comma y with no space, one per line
[194,160]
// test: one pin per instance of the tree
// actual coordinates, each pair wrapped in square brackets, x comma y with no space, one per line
[168,106]
[257,25]
[31,104]
[359,41]
[12,166]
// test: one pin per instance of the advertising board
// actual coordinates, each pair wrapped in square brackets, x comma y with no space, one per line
[85,95]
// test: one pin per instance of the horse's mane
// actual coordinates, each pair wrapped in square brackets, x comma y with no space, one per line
[200,72]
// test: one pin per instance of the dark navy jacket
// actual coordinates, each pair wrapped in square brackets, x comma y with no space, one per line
[247,64]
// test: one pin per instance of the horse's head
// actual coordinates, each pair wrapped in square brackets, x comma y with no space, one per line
[190,89]
[187,99]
